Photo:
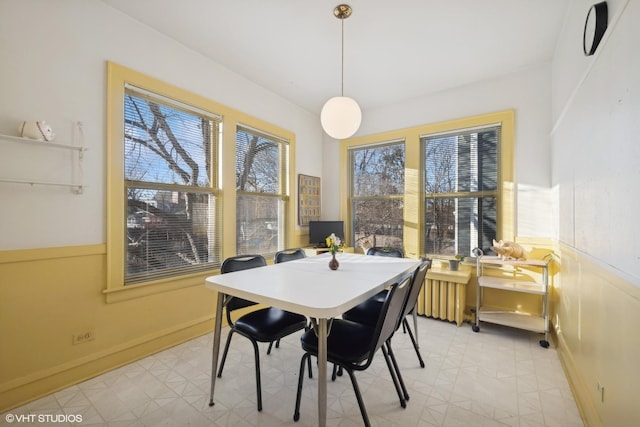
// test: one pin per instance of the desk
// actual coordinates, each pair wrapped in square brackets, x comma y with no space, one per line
[313,251]
[307,286]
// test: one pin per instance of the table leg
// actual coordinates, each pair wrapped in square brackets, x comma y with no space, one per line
[216,344]
[322,372]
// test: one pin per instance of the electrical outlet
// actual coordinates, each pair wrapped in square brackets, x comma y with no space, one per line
[83,337]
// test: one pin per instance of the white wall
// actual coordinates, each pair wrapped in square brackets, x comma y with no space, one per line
[529,93]
[54,57]
[596,155]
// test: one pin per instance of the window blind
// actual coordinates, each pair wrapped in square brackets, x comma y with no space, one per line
[170,183]
[461,188]
[262,164]
[377,173]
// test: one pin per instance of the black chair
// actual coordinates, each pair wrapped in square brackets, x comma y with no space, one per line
[289,255]
[353,345]
[395,252]
[262,325]
[284,256]
[369,311]
[382,295]
[386,251]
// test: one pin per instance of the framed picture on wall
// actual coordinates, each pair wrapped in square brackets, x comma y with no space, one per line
[308,199]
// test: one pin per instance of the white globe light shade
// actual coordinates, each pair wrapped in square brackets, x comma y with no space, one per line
[340,117]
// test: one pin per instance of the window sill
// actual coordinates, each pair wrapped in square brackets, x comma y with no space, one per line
[142,290]
[441,271]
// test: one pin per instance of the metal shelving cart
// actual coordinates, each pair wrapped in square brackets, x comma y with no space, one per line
[532,322]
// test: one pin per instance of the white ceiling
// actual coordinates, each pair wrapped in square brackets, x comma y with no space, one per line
[394,50]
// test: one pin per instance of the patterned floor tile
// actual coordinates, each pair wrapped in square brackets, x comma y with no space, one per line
[497,377]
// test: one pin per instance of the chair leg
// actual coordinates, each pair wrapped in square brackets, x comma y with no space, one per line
[224,353]
[414,313]
[394,370]
[415,343]
[258,382]
[296,411]
[271,345]
[356,390]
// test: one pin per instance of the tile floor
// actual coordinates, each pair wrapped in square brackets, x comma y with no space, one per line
[497,377]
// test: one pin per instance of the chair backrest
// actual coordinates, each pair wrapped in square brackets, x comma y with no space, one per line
[416,284]
[390,252]
[239,263]
[389,315]
[289,255]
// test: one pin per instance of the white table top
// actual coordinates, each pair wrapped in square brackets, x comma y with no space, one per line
[307,286]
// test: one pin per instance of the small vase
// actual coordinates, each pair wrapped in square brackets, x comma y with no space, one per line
[453,264]
[333,263]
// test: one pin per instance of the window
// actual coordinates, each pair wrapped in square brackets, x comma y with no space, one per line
[461,189]
[170,153]
[377,194]
[261,191]
[438,189]
[169,184]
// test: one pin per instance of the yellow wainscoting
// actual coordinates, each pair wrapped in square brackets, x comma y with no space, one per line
[48,296]
[597,313]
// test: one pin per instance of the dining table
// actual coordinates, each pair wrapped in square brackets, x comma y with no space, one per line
[309,287]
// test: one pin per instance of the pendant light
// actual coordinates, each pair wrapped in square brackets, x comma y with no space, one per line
[341,116]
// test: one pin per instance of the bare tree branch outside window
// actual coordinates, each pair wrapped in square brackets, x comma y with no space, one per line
[461,175]
[377,195]
[168,182]
[260,190]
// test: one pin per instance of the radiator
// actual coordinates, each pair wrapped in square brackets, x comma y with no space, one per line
[443,296]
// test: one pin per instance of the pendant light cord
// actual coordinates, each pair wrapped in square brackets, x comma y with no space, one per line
[341,116]
[342,62]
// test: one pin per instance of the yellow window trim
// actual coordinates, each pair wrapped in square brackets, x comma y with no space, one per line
[117,77]
[154,287]
[413,207]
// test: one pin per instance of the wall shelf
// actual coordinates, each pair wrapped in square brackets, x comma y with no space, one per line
[43,144]
[76,188]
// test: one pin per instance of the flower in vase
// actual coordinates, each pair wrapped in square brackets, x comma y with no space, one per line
[334,244]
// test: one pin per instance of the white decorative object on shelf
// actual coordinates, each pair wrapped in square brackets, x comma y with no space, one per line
[509,250]
[38,130]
